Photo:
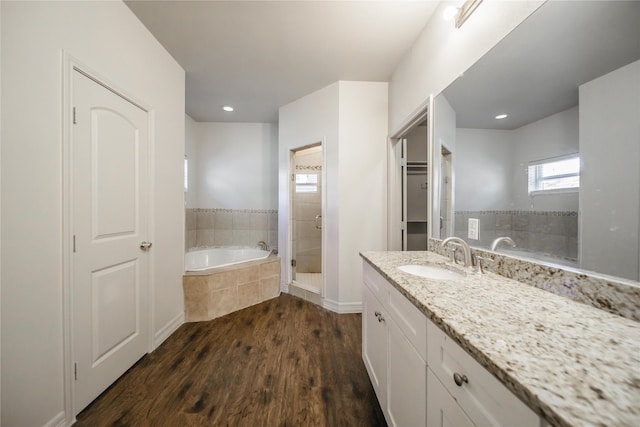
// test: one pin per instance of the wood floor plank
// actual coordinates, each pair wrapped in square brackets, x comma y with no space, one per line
[284,362]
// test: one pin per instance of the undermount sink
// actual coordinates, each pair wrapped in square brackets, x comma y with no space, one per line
[431,272]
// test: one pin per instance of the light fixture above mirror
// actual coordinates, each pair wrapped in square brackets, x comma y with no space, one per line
[465,11]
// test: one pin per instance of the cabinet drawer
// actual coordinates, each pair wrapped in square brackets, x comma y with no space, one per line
[442,409]
[483,397]
[410,320]
[379,285]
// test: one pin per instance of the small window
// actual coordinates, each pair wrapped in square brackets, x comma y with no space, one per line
[554,175]
[306,183]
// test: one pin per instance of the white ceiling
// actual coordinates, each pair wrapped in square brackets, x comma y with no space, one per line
[260,55]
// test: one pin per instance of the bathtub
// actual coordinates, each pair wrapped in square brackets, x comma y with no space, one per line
[204,259]
[219,281]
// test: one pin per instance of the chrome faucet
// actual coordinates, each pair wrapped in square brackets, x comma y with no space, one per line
[466,250]
[263,245]
[506,239]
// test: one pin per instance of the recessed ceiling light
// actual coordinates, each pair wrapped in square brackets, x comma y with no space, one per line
[227,108]
[501,116]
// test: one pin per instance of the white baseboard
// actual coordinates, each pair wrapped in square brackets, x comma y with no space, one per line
[168,329]
[57,421]
[342,307]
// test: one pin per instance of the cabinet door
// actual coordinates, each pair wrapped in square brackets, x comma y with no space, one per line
[374,344]
[406,381]
[443,410]
[484,398]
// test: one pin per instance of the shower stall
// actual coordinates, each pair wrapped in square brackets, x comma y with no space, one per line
[306,219]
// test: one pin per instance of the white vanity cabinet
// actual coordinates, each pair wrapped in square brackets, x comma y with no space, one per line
[374,344]
[420,375]
[394,351]
[481,396]
[443,410]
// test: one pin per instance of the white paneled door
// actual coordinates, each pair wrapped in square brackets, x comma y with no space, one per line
[110,242]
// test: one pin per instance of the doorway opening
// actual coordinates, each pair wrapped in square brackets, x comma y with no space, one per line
[410,171]
[306,201]
[415,183]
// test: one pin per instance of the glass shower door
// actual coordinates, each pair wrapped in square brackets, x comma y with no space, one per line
[306,208]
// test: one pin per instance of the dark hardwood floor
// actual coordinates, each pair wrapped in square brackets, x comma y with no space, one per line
[284,362]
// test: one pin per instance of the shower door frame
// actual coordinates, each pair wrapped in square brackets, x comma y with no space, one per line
[323,206]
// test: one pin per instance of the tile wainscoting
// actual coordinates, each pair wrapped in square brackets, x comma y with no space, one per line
[230,227]
[550,232]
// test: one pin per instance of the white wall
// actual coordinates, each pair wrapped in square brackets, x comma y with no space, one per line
[492,164]
[350,119]
[417,144]
[442,52]
[610,191]
[483,162]
[552,136]
[362,180]
[191,151]
[108,38]
[237,165]
[309,120]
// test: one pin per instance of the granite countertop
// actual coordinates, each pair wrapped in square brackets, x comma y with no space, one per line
[571,363]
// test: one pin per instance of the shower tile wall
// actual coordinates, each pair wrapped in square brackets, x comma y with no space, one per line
[551,232]
[308,237]
[230,227]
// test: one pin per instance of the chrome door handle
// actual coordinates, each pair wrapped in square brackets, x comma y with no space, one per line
[319,217]
[145,246]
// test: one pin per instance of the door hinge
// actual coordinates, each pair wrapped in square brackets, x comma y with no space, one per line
[403,225]
[75,121]
[293,263]
[293,177]
[75,371]
[403,161]
[74,243]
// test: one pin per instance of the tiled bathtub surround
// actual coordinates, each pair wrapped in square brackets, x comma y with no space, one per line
[219,291]
[230,227]
[550,232]
[617,296]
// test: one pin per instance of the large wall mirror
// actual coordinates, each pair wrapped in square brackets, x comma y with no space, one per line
[539,141]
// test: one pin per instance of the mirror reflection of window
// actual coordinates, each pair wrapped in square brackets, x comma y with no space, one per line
[568,94]
[559,174]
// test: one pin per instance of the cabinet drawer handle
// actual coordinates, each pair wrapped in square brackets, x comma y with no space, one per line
[460,379]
